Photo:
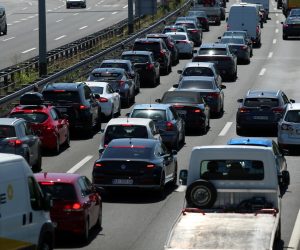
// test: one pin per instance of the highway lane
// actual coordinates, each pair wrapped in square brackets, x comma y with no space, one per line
[136,221]
[63,25]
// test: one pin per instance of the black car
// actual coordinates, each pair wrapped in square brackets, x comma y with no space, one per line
[220,54]
[261,109]
[145,64]
[119,80]
[78,102]
[191,106]
[160,51]
[291,27]
[171,44]
[123,64]
[135,163]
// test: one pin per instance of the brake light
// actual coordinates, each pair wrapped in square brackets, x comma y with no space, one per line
[83,107]
[244,110]
[73,207]
[169,126]
[278,110]
[98,165]
[197,110]
[150,166]
[126,125]
[178,106]
[213,95]
[149,66]
[244,47]
[59,90]
[102,99]
[121,82]
[162,53]
[15,142]
[47,183]
[194,31]
[286,127]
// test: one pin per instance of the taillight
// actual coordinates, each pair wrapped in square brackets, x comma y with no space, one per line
[197,111]
[244,47]
[178,106]
[277,110]
[162,53]
[15,142]
[149,66]
[169,126]
[102,99]
[285,26]
[150,166]
[73,207]
[244,110]
[286,127]
[83,107]
[213,95]
[121,82]
[97,165]
[194,31]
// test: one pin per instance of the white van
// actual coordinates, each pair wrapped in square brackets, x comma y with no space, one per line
[3,23]
[24,220]
[245,16]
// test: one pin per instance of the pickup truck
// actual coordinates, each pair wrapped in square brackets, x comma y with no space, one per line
[214,11]
[233,199]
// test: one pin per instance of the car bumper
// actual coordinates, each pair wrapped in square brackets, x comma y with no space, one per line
[286,139]
[106,108]
[73,224]
[185,50]
[169,139]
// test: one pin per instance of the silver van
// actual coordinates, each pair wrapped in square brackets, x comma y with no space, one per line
[3,23]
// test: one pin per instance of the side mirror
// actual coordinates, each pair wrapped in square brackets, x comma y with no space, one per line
[174,152]
[179,71]
[194,51]
[127,114]
[240,100]
[219,37]
[292,100]
[281,22]
[99,190]
[65,116]
[158,100]
[222,86]
[175,86]
[117,91]
[183,175]
[97,96]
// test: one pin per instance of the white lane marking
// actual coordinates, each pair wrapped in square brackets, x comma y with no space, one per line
[114,13]
[24,19]
[30,17]
[181,188]
[59,20]
[7,39]
[9,24]
[30,3]
[275,8]
[277,22]
[80,164]
[276,14]
[25,8]
[125,6]
[225,129]
[60,37]
[75,14]
[171,89]
[262,72]
[276,30]
[36,29]
[49,10]
[17,21]
[274,41]
[26,51]
[295,237]
[88,8]
[270,55]
[83,27]
[99,20]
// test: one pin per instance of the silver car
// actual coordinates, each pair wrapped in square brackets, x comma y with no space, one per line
[184,44]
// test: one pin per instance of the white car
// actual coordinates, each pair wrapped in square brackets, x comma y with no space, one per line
[109,99]
[128,128]
[289,127]
[184,44]
[75,3]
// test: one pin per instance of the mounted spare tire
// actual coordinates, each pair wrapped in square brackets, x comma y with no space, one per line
[201,194]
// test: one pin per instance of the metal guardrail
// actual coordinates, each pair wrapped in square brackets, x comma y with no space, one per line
[85,65]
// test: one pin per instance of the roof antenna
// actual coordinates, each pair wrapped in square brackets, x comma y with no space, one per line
[150,101]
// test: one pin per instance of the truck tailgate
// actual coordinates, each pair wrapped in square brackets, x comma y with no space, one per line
[223,231]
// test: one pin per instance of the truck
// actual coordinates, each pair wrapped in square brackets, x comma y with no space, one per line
[213,9]
[232,200]
[287,5]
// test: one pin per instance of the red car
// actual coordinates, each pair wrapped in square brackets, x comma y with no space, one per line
[77,206]
[46,122]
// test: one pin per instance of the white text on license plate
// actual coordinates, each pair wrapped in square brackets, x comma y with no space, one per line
[260,117]
[122,181]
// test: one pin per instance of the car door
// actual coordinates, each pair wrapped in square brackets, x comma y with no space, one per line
[89,97]
[113,96]
[60,123]
[168,161]
[178,122]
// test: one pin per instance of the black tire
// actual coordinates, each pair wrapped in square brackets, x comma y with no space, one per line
[161,191]
[174,181]
[99,219]
[284,37]
[5,30]
[37,167]
[56,150]
[239,131]
[99,120]
[86,234]
[119,111]
[132,99]
[67,141]
[278,231]
[89,129]
[201,189]
[46,242]
[176,146]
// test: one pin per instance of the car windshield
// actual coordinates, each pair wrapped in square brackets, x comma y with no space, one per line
[35,117]
[154,114]
[115,65]
[257,102]
[61,95]
[232,40]
[293,20]
[178,29]
[198,71]
[59,191]
[129,152]
[212,51]
[179,37]
[293,116]
[179,98]
[105,76]
[125,131]
[196,85]
[96,89]
[148,46]
[7,131]
[136,58]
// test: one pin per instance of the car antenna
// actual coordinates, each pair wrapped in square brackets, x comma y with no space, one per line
[150,101]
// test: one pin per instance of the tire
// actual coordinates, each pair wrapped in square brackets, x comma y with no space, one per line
[37,167]
[284,37]
[132,99]
[67,141]
[127,102]
[119,111]
[161,191]
[99,219]
[278,232]
[86,234]
[239,131]
[5,30]
[203,190]
[89,128]
[174,181]
[111,114]
[46,242]
[177,144]
[99,120]
[182,142]
[56,150]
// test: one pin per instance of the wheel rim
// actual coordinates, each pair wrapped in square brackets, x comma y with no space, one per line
[200,196]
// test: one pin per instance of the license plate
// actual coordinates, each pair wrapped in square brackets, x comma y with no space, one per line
[260,117]
[122,181]
[62,109]
[182,112]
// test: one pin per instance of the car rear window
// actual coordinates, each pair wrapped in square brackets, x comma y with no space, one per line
[178,98]
[166,30]
[125,131]
[105,76]
[96,90]
[257,102]
[130,152]
[59,191]
[212,51]
[233,40]
[147,46]
[198,71]
[178,37]
[31,117]
[61,95]
[136,58]
[196,84]
[232,170]
[154,114]
[188,25]
[7,131]
[293,116]
[115,65]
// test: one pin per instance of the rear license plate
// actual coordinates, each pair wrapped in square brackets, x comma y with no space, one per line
[62,109]
[260,117]
[122,181]
[182,112]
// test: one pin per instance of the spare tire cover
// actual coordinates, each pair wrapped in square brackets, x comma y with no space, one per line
[201,194]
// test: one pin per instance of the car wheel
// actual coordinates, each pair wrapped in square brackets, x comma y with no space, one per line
[86,234]
[68,6]
[174,181]
[99,219]
[158,80]
[67,141]
[176,146]
[182,142]
[45,242]
[239,131]
[118,112]
[161,191]
[56,150]
[284,37]
[132,99]
[127,102]
[37,167]
[99,120]
[5,30]
[89,128]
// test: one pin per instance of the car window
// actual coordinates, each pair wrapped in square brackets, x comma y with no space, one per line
[85,187]
[54,115]
[97,89]
[36,197]
[62,95]
[179,98]
[275,149]
[59,190]
[136,58]
[152,128]
[292,116]
[196,84]
[35,117]
[154,114]
[7,131]
[87,92]
[115,65]
[284,97]
[257,102]
[174,113]
[212,51]
[148,46]
[197,71]
[109,89]
[128,152]
[105,76]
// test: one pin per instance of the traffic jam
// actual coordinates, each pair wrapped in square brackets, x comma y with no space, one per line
[139,150]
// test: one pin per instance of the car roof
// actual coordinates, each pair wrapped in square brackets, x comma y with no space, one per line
[152,106]
[133,141]
[199,64]
[96,84]
[10,121]
[158,35]
[295,106]
[184,21]
[235,32]
[263,93]
[125,120]
[118,70]
[57,177]
[148,40]
[137,52]
[252,141]
[198,78]
[213,45]
[116,61]
[177,33]
[63,85]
